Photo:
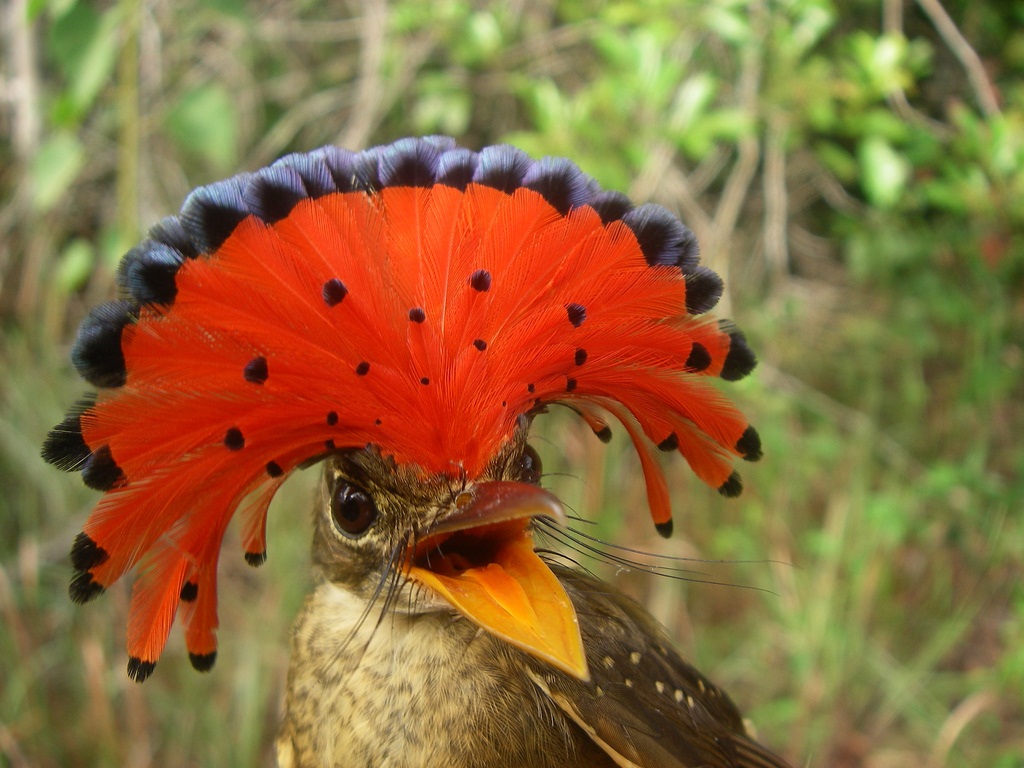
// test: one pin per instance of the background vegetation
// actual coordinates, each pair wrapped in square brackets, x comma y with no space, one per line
[854,168]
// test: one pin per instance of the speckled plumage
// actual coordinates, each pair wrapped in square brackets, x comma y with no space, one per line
[429,689]
[410,682]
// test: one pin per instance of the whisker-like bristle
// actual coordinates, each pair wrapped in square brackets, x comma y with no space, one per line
[388,584]
[577,541]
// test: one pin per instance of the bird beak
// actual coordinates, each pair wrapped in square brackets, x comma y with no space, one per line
[481,560]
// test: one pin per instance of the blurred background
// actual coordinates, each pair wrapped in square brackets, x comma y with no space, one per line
[853,168]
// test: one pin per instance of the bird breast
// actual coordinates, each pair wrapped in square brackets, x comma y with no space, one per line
[401,689]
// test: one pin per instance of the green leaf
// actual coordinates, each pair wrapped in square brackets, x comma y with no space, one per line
[111,245]
[840,162]
[692,99]
[549,105]
[84,45]
[95,69]
[56,8]
[54,169]
[483,36]
[69,35]
[204,124]
[75,265]
[887,518]
[881,61]
[731,24]
[810,27]
[444,108]
[235,9]
[884,172]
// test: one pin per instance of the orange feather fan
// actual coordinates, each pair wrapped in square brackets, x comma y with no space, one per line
[418,297]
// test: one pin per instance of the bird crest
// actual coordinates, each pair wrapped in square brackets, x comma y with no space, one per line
[418,297]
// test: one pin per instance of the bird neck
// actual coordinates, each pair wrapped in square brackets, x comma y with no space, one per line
[463,699]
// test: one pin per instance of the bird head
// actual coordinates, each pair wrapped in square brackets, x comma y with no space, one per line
[442,543]
[400,314]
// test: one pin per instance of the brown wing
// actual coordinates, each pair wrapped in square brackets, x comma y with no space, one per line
[645,706]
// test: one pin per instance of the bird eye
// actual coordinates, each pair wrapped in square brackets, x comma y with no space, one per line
[530,468]
[352,508]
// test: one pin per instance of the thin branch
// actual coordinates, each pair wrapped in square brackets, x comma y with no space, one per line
[708,169]
[776,198]
[375,94]
[284,30]
[736,188]
[369,86]
[892,16]
[22,84]
[541,46]
[737,185]
[675,185]
[129,138]
[815,246]
[834,193]
[966,712]
[310,110]
[892,24]
[11,749]
[984,90]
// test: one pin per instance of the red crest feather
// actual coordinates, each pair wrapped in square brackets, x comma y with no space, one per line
[418,297]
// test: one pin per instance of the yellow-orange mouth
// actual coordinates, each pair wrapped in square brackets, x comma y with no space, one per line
[481,560]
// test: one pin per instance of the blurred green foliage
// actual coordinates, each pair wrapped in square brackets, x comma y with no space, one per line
[854,168]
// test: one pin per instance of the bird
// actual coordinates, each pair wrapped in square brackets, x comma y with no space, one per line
[400,316]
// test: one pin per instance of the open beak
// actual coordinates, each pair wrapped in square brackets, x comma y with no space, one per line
[481,560]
